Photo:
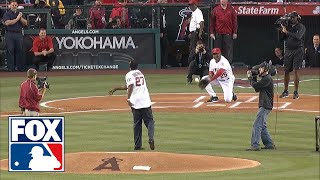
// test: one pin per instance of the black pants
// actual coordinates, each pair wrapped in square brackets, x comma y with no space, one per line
[293,59]
[225,43]
[49,58]
[147,116]
[164,50]
[194,69]
[192,46]
[14,51]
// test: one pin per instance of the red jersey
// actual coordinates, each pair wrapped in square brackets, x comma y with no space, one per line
[29,96]
[223,21]
[97,15]
[42,44]
[117,11]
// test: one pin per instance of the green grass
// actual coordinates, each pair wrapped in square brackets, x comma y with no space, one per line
[211,133]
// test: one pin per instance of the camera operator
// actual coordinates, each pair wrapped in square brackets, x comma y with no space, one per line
[200,63]
[30,96]
[265,89]
[78,21]
[293,35]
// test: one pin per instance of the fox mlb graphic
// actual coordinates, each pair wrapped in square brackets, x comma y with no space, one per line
[36,144]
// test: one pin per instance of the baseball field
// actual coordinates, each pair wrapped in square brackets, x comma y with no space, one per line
[194,139]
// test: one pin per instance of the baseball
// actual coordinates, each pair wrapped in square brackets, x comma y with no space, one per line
[196,79]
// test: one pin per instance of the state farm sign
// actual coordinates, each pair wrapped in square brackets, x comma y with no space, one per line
[276,9]
[257,10]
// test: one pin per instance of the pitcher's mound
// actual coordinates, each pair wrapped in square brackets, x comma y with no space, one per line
[156,162]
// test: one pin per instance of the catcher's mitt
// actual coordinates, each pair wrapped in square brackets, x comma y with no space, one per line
[203,83]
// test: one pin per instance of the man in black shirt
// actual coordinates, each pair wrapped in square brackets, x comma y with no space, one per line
[294,52]
[277,59]
[200,62]
[265,89]
[312,55]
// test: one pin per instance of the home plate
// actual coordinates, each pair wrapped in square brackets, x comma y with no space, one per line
[216,104]
[143,168]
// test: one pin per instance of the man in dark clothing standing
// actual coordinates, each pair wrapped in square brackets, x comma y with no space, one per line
[312,55]
[223,28]
[265,89]
[14,22]
[294,52]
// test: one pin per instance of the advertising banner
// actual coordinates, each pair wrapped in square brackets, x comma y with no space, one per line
[88,49]
[276,9]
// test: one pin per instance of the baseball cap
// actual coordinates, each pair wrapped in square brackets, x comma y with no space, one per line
[192,2]
[216,51]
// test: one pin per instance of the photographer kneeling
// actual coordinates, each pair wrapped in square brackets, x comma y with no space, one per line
[30,95]
[200,63]
[265,89]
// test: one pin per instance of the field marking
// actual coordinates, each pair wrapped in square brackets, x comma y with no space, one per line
[285,105]
[251,99]
[235,104]
[198,104]
[199,99]
[216,104]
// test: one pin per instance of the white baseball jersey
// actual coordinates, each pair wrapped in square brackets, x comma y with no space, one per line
[224,64]
[196,18]
[140,97]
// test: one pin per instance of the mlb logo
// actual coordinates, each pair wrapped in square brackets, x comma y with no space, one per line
[36,143]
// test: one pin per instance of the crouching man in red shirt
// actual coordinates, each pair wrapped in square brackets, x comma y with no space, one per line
[30,95]
[43,50]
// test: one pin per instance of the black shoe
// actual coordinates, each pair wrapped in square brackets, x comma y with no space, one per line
[234,97]
[189,81]
[138,148]
[213,99]
[295,95]
[151,143]
[253,149]
[284,94]
[273,147]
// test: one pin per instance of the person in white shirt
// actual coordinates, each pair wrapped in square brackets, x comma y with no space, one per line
[196,26]
[220,73]
[140,103]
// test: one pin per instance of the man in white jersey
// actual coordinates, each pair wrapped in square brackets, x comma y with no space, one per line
[140,103]
[220,73]
[196,26]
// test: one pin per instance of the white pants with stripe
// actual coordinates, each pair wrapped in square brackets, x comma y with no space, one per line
[227,87]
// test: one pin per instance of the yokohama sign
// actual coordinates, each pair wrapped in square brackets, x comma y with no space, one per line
[269,10]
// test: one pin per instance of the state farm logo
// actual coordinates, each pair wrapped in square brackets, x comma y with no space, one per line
[257,10]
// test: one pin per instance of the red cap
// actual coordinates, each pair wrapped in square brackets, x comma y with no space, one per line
[191,2]
[216,51]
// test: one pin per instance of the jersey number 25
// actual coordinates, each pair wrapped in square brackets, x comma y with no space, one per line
[139,81]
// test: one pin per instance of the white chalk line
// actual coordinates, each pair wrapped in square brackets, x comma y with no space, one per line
[44,104]
[235,105]
[199,99]
[251,99]
[216,104]
[198,104]
[285,105]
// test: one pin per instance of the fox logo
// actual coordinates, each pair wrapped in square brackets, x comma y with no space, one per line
[185,15]
[36,143]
